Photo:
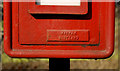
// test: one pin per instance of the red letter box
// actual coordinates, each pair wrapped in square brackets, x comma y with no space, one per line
[59,31]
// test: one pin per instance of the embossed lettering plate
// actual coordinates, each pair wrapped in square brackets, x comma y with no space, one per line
[67,35]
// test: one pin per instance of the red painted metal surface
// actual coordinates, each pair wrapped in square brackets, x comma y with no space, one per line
[89,35]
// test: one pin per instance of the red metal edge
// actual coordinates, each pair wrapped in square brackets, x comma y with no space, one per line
[57,54]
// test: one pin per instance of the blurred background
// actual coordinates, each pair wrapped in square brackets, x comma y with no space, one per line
[37,63]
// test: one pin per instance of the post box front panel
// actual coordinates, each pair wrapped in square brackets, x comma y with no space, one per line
[33,30]
[90,36]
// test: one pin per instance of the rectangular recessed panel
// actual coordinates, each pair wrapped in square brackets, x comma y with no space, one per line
[58,7]
[36,31]
[68,35]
